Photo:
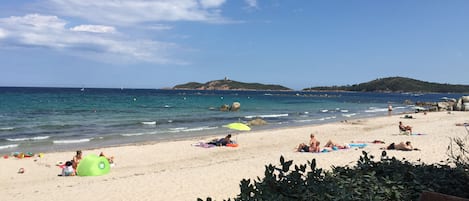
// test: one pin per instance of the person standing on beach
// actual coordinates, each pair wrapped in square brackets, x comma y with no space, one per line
[389,109]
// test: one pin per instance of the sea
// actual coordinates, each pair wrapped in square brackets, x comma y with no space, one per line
[34,119]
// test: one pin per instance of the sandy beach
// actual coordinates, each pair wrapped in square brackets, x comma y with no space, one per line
[179,171]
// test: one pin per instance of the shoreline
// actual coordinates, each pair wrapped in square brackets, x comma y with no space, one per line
[175,170]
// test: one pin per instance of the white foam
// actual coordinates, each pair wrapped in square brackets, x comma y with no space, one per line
[27,139]
[149,122]
[132,134]
[8,146]
[199,129]
[349,115]
[375,109]
[72,141]
[344,111]
[7,128]
[176,130]
[266,116]
[324,111]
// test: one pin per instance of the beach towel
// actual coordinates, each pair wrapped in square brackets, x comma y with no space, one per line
[357,145]
[203,145]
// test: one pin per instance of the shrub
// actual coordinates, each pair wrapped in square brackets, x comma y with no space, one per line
[386,179]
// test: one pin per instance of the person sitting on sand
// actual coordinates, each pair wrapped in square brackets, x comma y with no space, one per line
[76,159]
[222,142]
[404,128]
[68,169]
[313,145]
[407,146]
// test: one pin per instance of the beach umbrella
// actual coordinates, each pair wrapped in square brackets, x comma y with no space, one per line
[238,127]
[93,165]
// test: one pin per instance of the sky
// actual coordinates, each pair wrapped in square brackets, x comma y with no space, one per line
[294,43]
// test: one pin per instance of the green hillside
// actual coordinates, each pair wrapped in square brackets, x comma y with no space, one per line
[397,84]
[230,85]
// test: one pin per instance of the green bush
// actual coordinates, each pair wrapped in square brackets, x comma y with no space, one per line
[385,179]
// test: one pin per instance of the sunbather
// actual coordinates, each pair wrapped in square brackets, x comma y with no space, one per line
[334,145]
[407,146]
[222,142]
[405,128]
[313,145]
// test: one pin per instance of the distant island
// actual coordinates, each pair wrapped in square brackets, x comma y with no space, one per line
[389,84]
[227,84]
[396,84]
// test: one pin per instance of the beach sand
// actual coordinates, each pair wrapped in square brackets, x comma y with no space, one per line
[178,171]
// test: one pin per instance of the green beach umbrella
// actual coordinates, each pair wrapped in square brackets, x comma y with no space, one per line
[238,126]
[93,165]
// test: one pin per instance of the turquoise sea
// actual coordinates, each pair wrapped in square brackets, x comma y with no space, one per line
[58,119]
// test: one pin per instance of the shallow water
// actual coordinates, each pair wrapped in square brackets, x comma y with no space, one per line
[54,119]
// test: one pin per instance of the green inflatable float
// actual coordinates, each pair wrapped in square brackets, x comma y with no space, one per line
[93,165]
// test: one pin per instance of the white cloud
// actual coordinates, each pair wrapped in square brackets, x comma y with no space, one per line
[251,3]
[139,11]
[94,28]
[159,27]
[211,3]
[3,33]
[46,31]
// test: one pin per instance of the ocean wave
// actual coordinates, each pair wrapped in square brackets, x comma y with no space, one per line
[344,111]
[266,116]
[148,122]
[132,134]
[324,111]
[176,130]
[72,141]
[28,139]
[349,115]
[327,118]
[199,129]
[375,109]
[7,128]
[8,146]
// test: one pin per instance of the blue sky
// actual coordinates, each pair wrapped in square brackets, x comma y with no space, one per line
[295,43]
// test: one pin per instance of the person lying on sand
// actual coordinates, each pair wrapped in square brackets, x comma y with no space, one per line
[407,146]
[334,145]
[110,159]
[462,124]
[221,142]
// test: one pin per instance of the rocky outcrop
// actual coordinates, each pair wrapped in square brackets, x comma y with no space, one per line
[235,106]
[447,104]
[257,122]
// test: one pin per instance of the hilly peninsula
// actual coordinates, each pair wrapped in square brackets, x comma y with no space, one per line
[231,85]
[396,84]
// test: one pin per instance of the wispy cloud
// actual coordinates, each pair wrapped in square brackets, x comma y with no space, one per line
[94,28]
[138,11]
[251,3]
[92,41]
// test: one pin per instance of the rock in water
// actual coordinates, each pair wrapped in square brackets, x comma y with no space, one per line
[235,106]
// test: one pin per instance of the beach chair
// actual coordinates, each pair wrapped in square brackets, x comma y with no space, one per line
[404,132]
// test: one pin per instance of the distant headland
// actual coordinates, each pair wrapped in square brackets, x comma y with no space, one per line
[227,84]
[386,85]
[396,84]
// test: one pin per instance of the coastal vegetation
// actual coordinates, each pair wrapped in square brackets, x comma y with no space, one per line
[389,84]
[396,84]
[385,179]
[227,84]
